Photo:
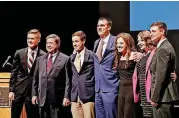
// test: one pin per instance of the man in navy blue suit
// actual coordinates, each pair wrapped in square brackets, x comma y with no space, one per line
[106,78]
[82,92]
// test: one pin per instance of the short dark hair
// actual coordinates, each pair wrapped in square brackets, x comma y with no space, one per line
[81,34]
[161,25]
[106,18]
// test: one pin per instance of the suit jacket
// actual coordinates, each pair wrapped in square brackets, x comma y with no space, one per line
[106,78]
[83,82]
[163,64]
[54,85]
[21,80]
[147,82]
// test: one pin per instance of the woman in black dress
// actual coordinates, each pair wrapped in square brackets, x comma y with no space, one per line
[125,63]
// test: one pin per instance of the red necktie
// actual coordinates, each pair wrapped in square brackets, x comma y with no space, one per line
[49,64]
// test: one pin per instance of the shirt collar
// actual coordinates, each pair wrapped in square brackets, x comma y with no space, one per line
[82,52]
[53,55]
[106,39]
[160,42]
[30,50]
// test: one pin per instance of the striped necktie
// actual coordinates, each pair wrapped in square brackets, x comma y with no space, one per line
[30,61]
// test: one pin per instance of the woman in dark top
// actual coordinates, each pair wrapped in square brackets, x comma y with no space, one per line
[124,62]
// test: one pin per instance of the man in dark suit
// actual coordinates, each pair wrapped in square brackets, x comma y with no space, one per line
[21,76]
[164,90]
[106,78]
[51,81]
[82,93]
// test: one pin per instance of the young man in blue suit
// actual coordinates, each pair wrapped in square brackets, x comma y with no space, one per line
[106,78]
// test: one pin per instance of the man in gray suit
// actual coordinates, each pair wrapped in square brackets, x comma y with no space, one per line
[51,84]
[164,90]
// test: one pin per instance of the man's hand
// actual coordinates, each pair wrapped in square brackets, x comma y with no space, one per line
[137,56]
[66,102]
[11,96]
[34,100]
[173,76]
[153,104]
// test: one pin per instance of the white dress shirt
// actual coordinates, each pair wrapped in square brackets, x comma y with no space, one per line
[82,55]
[30,52]
[54,56]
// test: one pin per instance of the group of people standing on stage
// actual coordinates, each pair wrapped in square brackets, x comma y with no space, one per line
[107,82]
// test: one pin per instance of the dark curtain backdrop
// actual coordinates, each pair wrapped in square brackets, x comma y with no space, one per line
[61,18]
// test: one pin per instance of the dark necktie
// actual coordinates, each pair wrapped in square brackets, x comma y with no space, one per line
[100,50]
[30,61]
[49,63]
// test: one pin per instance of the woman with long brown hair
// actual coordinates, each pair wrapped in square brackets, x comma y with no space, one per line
[124,62]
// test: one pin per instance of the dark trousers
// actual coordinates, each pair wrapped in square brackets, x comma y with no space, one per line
[162,111]
[32,111]
[125,99]
[51,111]
[106,105]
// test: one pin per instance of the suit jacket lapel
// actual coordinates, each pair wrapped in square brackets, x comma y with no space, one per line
[149,60]
[166,41]
[96,45]
[86,57]
[73,56]
[153,61]
[109,46]
[34,63]
[44,63]
[24,57]
[157,49]
[56,61]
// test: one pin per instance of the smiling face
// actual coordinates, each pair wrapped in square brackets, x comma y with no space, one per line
[156,34]
[141,43]
[103,28]
[51,45]
[78,44]
[121,45]
[32,40]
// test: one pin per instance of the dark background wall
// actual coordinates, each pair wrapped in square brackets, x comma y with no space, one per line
[61,18]
[119,13]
